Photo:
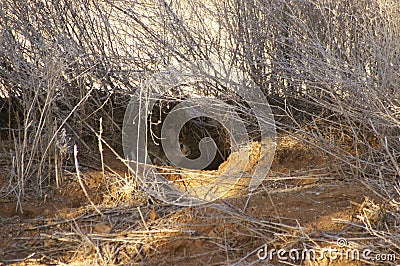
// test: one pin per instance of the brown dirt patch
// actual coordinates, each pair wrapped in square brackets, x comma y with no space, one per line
[301,197]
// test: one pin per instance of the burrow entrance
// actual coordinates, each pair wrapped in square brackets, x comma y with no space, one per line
[190,135]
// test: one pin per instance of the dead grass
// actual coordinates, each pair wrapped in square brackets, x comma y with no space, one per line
[330,71]
[303,206]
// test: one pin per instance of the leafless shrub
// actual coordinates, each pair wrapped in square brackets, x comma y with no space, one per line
[329,68]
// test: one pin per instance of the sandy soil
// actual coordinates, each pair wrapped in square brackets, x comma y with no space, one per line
[304,199]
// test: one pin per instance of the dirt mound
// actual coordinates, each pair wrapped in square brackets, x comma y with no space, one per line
[301,198]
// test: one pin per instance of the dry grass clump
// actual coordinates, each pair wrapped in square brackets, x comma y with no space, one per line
[330,70]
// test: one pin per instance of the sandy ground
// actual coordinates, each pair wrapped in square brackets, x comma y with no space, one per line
[304,199]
